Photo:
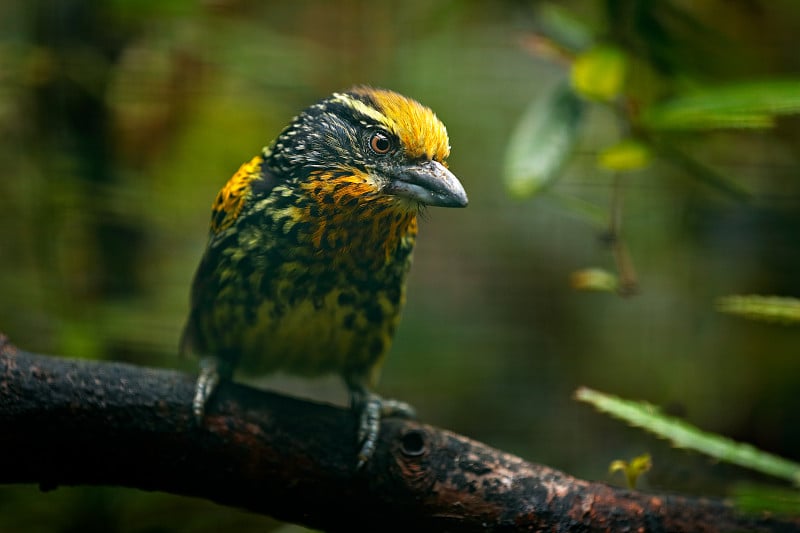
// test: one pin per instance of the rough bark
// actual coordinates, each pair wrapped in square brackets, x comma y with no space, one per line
[72,422]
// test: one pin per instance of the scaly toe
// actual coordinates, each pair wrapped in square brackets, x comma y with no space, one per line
[372,408]
[369,423]
[207,383]
[396,408]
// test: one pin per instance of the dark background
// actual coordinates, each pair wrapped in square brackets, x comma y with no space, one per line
[120,120]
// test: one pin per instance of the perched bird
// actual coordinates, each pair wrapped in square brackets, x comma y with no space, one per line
[309,246]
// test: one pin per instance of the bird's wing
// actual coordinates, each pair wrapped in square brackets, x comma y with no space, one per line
[251,178]
[204,288]
[231,198]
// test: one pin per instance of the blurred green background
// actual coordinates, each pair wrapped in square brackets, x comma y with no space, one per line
[120,120]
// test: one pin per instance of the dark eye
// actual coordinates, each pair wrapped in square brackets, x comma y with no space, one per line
[380,143]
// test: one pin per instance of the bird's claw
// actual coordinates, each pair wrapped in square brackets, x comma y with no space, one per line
[207,383]
[372,408]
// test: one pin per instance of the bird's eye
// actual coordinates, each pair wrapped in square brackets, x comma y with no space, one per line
[380,143]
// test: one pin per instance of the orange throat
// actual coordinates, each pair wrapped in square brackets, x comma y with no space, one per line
[349,218]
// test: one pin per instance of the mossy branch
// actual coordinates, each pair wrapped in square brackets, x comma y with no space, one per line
[71,422]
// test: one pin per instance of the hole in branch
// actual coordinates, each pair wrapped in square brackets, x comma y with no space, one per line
[413,443]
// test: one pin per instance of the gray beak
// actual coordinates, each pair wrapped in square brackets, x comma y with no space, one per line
[428,183]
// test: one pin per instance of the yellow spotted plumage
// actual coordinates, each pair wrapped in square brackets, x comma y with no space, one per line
[231,198]
[310,244]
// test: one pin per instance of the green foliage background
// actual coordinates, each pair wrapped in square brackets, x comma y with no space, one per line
[120,120]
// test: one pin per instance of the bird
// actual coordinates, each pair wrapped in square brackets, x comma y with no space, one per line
[309,246]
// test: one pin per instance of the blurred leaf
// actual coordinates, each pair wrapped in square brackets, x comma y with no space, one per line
[585,210]
[778,309]
[542,141]
[683,435]
[78,338]
[599,73]
[561,25]
[752,498]
[633,469]
[594,279]
[703,173]
[625,156]
[544,47]
[740,105]
[148,9]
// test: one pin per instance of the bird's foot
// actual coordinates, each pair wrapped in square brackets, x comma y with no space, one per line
[371,408]
[212,370]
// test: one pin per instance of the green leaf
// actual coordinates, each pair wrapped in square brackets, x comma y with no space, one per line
[632,470]
[740,105]
[542,141]
[594,279]
[752,498]
[599,73]
[563,27]
[683,435]
[583,209]
[703,173]
[779,309]
[625,156]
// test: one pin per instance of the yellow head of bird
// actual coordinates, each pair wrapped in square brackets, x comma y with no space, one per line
[369,145]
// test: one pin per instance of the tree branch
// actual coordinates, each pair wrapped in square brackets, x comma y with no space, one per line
[71,422]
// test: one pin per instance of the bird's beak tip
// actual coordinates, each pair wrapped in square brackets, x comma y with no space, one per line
[430,183]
